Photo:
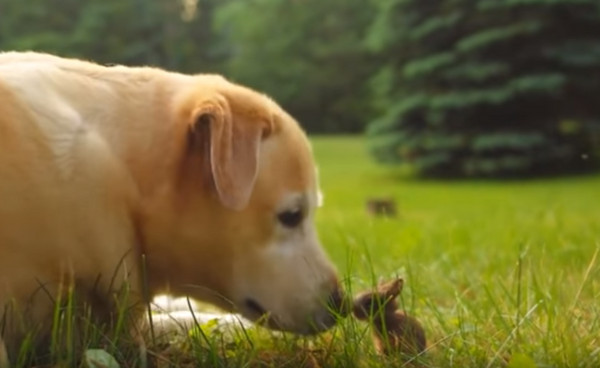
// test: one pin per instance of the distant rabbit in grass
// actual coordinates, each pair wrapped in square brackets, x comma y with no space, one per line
[393,330]
[382,207]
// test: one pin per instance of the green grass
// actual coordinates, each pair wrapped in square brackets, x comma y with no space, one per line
[499,274]
[492,269]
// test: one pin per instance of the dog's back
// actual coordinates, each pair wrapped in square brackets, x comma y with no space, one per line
[64,199]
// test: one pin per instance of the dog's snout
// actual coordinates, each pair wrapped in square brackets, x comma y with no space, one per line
[338,306]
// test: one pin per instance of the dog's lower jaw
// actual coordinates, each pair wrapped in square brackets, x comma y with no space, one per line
[320,319]
[255,308]
[313,325]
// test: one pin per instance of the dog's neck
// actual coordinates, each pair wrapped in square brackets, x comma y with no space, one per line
[155,147]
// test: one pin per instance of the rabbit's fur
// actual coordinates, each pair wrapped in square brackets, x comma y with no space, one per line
[393,330]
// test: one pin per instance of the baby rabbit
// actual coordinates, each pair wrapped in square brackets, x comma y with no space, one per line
[393,330]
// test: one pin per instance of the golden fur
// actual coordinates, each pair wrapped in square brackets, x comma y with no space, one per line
[99,165]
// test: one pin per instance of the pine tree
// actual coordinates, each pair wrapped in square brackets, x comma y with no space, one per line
[487,87]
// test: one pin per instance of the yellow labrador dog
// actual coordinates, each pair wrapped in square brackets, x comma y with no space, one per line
[209,182]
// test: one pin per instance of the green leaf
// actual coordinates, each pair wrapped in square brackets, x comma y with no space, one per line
[477,72]
[99,358]
[427,65]
[488,37]
[435,24]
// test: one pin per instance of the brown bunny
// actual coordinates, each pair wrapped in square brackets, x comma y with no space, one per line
[393,330]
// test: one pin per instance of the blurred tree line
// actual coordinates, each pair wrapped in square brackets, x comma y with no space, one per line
[488,87]
[448,87]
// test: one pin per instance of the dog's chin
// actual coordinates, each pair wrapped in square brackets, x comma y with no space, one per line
[320,322]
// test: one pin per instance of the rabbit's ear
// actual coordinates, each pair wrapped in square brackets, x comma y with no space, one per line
[392,288]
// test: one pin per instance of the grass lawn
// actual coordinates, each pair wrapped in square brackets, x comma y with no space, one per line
[500,274]
[497,272]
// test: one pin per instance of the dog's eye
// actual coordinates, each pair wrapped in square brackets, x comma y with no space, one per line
[291,218]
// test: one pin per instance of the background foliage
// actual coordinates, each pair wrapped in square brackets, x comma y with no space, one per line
[487,87]
[309,54]
[447,87]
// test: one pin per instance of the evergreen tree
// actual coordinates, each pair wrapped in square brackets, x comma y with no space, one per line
[487,87]
[307,54]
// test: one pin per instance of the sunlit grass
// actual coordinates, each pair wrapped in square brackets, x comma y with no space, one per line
[492,268]
[499,274]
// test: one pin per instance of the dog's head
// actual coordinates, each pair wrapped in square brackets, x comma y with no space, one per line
[237,228]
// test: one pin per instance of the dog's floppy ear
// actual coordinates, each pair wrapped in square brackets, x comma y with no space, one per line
[232,145]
